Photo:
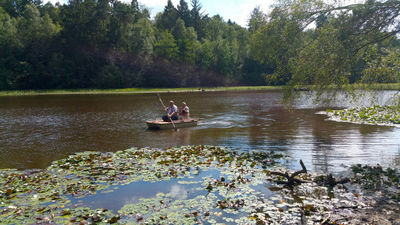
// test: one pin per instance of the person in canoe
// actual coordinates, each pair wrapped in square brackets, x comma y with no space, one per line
[184,112]
[172,112]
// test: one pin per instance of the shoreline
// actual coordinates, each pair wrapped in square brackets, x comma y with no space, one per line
[393,86]
[136,90]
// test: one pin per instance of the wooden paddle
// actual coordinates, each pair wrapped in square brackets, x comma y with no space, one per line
[162,103]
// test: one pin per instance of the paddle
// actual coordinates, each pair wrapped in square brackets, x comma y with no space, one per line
[162,103]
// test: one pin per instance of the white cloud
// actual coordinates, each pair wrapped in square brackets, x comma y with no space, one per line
[157,3]
[155,6]
[241,13]
[55,1]
[178,192]
[236,10]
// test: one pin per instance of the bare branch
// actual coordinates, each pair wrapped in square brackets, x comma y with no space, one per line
[291,180]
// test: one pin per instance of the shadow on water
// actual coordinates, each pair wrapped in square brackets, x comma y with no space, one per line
[35,130]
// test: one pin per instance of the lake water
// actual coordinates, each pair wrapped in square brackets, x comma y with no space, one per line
[36,130]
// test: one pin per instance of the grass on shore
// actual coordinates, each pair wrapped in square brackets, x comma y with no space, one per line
[393,86]
[135,90]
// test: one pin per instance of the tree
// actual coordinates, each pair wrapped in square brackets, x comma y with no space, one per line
[274,43]
[121,21]
[257,19]
[8,32]
[183,12]
[77,20]
[101,22]
[9,41]
[143,38]
[15,8]
[335,54]
[197,18]
[324,61]
[186,41]
[166,47]
[167,19]
[382,67]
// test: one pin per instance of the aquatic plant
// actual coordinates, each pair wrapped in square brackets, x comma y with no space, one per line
[223,186]
[376,115]
[377,180]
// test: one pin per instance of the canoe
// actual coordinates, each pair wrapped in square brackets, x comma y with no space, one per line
[157,124]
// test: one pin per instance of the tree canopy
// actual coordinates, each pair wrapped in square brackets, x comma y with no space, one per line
[109,43]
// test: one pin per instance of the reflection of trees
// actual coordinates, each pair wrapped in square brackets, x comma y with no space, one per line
[182,136]
[366,130]
[276,128]
[337,141]
[256,124]
[397,159]
[322,140]
[383,147]
[166,138]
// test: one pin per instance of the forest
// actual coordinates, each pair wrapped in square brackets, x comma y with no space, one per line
[114,44]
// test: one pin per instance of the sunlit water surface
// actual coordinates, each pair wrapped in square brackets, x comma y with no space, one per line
[36,130]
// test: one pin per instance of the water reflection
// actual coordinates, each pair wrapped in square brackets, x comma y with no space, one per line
[35,130]
[133,192]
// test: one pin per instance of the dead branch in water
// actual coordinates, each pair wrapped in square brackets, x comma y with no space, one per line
[291,180]
[330,181]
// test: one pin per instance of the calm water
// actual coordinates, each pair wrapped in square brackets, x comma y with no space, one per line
[35,130]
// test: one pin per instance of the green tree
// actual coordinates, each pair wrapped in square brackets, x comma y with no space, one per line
[143,39]
[101,22]
[382,67]
[121,21]
[166,47]
[214,28]
[183,12]
[15,8]
[205,56]
[9,42]
[275,43]
[186,41]
[324,61]
[167,19]
[8,32]
[197,17]
[77,20]
[257,19]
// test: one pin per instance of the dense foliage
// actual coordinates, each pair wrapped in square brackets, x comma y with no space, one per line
[111,44]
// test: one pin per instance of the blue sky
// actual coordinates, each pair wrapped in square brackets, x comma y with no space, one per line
[236,10]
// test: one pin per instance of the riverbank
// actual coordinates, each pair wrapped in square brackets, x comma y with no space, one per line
[395,86]
[137,90]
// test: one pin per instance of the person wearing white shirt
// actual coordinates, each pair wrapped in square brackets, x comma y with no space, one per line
[184,111]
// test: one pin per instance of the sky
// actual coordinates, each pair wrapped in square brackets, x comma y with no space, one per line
[236,10]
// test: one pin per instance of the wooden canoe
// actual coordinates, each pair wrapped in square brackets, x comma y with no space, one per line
[157,124]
